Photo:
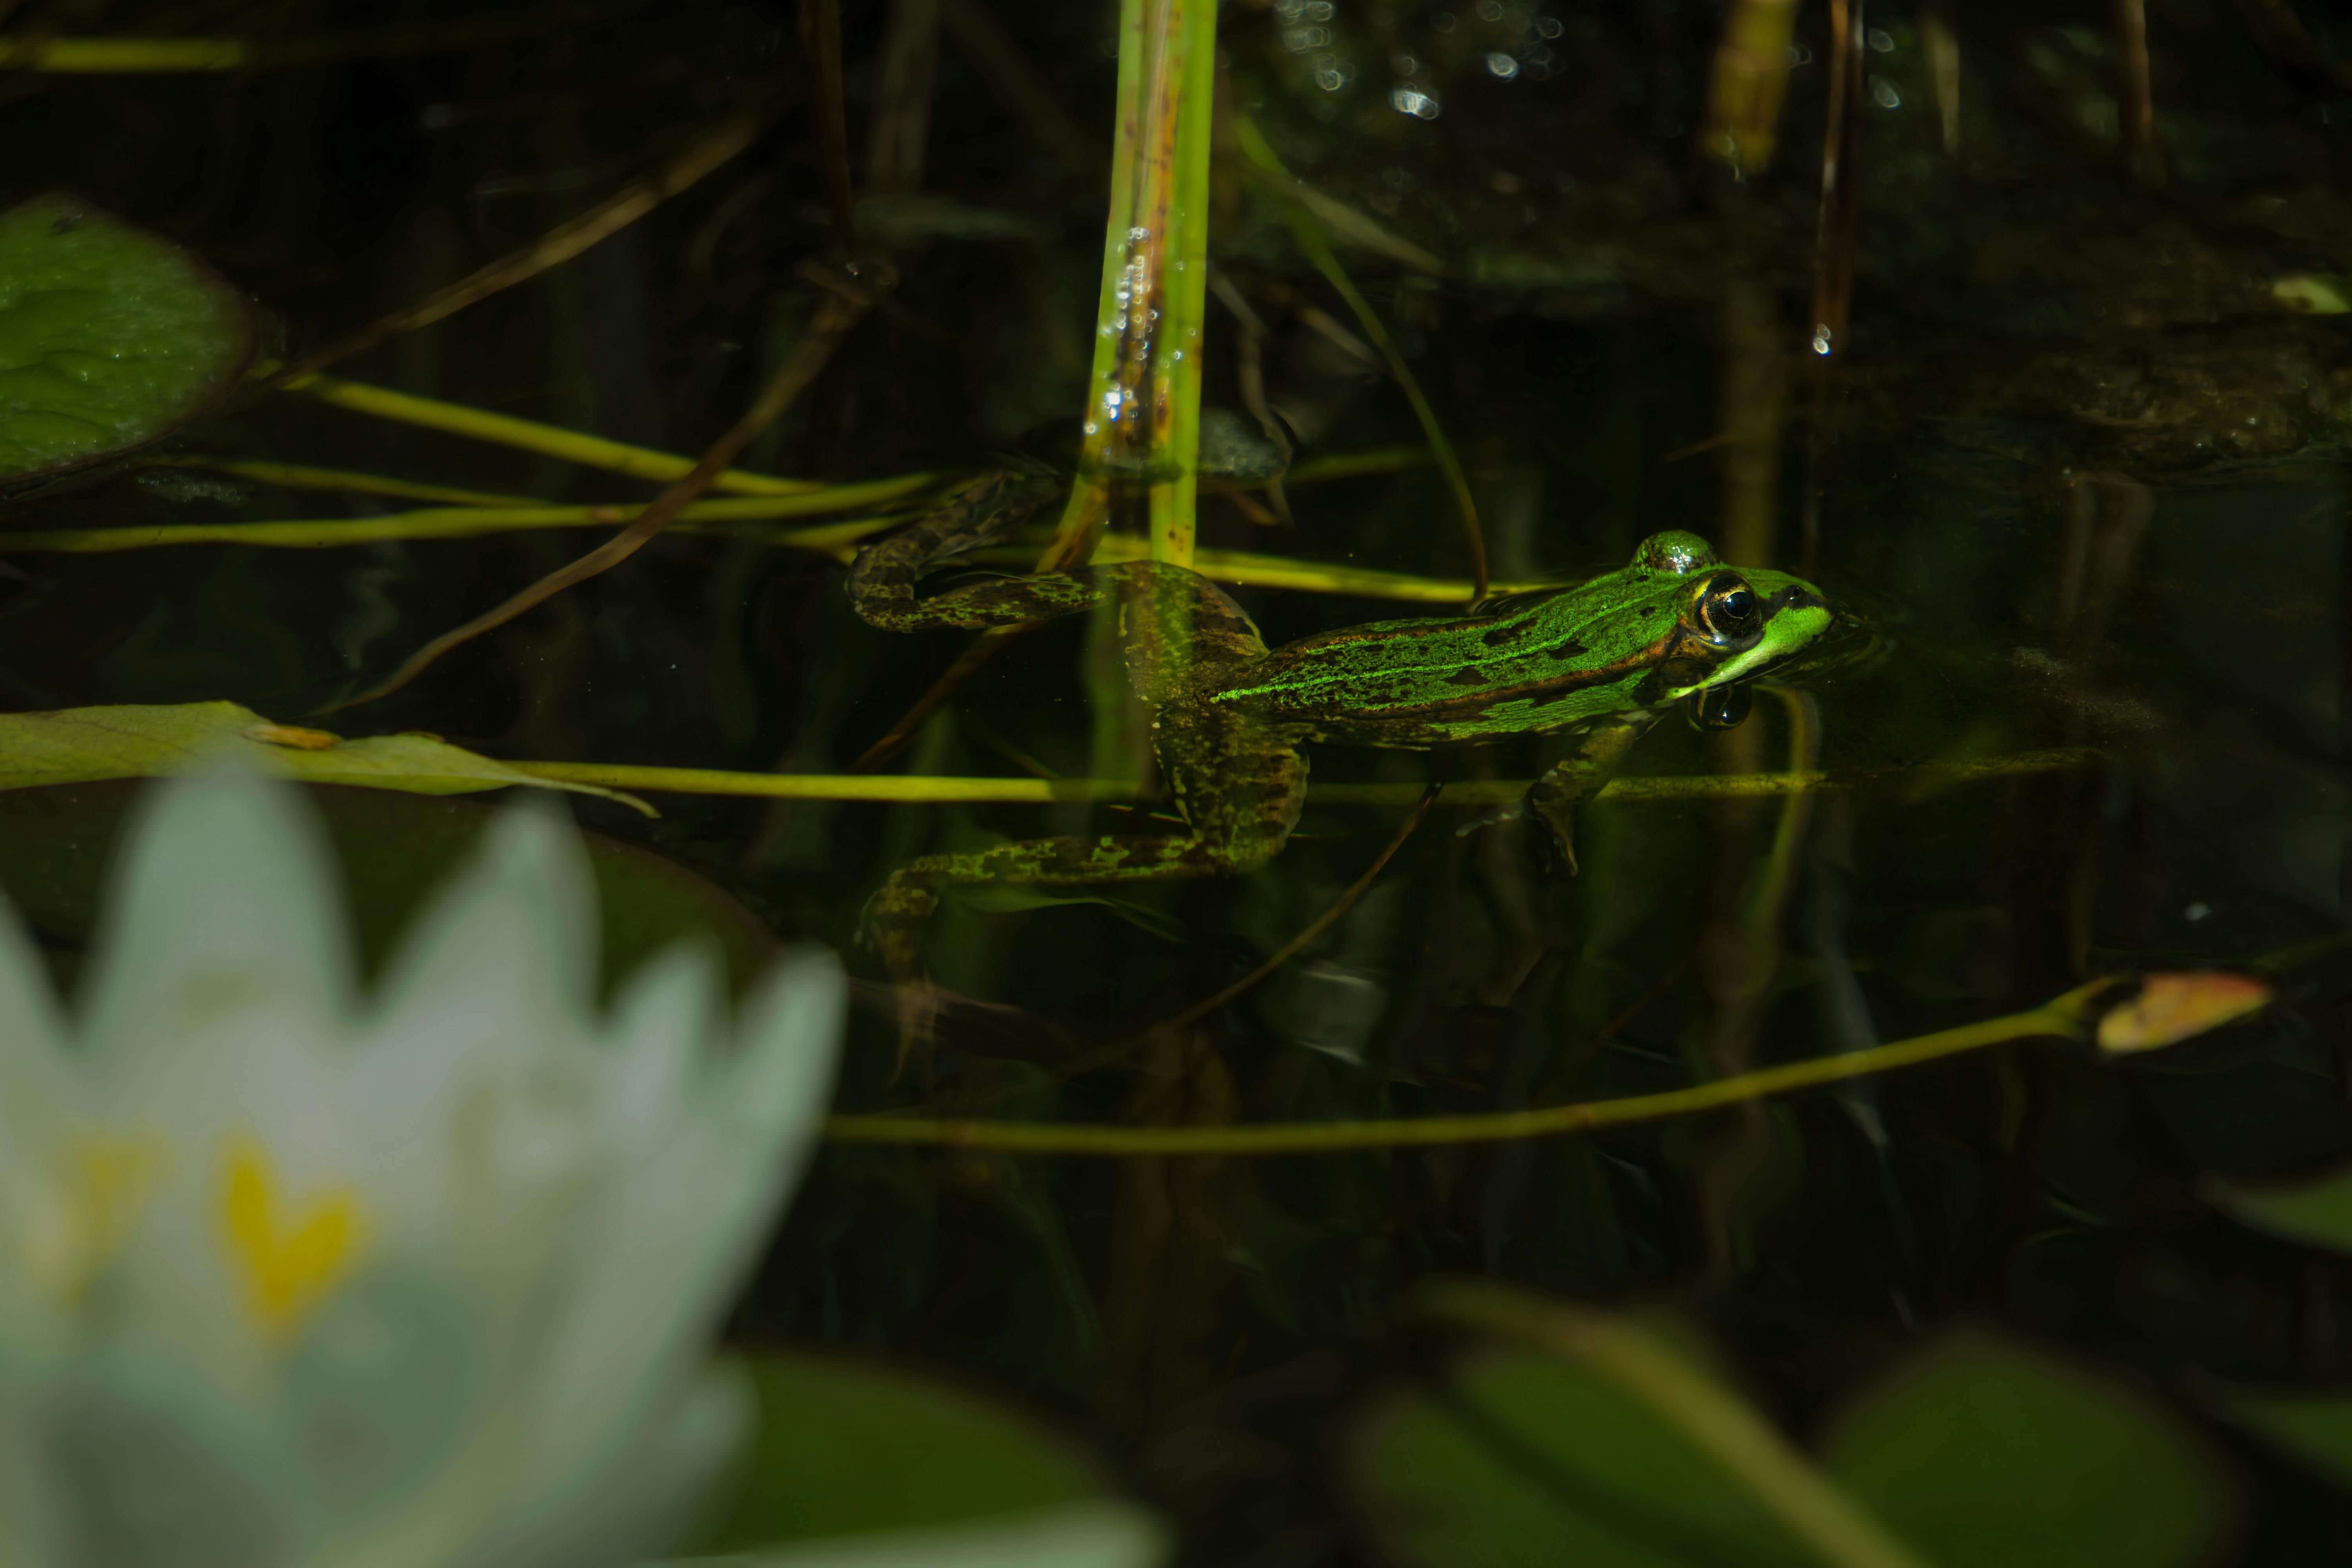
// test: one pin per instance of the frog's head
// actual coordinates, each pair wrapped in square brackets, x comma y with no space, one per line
[1731,624]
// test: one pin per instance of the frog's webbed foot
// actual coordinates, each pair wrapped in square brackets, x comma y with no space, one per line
[894,920]
[1554,815]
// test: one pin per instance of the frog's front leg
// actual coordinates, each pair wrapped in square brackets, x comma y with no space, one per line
[1551,800]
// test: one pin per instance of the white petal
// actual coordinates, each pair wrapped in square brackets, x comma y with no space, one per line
[663,1027]
[1095,1534]
[478,1070]
[685,1223]
[32,1030]
[506,951]
[223,895]
[646,1500]
[43,1240]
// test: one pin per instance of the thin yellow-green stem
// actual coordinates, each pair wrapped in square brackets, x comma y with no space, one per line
[1316,245]
[529,435]
[468,522]
[2064,1016]
[1751,81]
[1722,1428]
[1348,465]
[1472,792]
[300,477]
[1256,571]
[123,56]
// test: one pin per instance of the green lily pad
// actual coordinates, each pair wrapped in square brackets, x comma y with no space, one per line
[891,1467]
[2315,1427]
[394,850]
[1982,1452]
[78,745]
[109,336]
[1521,1459]
[2317,1213]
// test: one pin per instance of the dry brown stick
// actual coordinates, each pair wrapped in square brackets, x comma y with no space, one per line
[1105,1055]
[723,141]
[1023,90]
[977,652]
[821,59]
[1834,241]
[2140,162]
[1316,927]
[838,313]
[899,123]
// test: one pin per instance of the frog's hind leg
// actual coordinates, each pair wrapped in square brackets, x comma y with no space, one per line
[1239,790]
[1238,785]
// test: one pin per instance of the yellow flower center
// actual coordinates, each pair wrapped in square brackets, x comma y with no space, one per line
[290,1254]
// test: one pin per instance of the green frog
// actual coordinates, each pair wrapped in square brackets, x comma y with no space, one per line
[1606,658]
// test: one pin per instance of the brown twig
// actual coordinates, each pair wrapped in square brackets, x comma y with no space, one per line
[900,125]
[2141,162]
[1112,1052]
[977,652]
[1023,90]
[731,134]
[821,57]
[838,313]
[1833,244]
[1315,928]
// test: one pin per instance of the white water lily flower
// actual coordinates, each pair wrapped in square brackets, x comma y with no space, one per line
[289,1279]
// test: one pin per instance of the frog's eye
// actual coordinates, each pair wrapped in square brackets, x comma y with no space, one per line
[1728,609]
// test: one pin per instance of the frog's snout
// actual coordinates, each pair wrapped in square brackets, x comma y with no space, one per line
[1797,596]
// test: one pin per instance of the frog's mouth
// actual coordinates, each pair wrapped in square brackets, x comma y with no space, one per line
[1794,620]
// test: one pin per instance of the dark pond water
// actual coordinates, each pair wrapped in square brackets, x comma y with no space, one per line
[2078,469]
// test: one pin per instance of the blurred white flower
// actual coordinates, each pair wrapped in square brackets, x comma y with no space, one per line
[289,1279]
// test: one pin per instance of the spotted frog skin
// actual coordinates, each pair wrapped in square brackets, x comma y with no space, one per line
[1605,657]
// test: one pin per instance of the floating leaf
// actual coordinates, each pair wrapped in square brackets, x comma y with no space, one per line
[109,336]
[861,1465]
[2318,1213]
[77,745]
[1983,1452]
[1521,1458]
[2170,1008]
[2317,1428]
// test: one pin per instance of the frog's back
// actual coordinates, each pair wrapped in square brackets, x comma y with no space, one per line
[1543,662]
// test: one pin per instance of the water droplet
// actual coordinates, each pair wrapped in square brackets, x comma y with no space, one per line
[1821,340]
[1501,66]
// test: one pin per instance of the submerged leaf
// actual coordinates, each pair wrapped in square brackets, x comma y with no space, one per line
[2317,1213]
[2170,1008]
[1523,1459]
[109,336]
[2316,1428]
[1984,1453]
[859,1464]
[79,745]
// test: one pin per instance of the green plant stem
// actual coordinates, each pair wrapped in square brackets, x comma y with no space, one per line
[466,521]
[2064,1016]
[121,56]
[1142,419]
[1723,1428]
[1473,792]
[528,434]
[301,477]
